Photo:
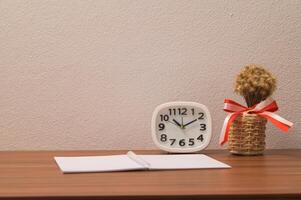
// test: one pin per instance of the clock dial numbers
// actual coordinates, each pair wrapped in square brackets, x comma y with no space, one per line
[164,117]
[191,142]
[201,138]
[181,142]
[181,111]
[201,116]
[192,111]
[180,127]
[172,141]
[177,111]
[203,127]
[163,138]
[161,126]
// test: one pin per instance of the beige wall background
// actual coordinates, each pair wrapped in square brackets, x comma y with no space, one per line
[88,74]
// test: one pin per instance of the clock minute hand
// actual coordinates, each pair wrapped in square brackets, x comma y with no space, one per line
[190,122]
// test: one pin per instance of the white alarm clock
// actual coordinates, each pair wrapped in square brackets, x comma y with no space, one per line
[181,127]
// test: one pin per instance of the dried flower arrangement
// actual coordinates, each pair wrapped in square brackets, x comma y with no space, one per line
[255,84]
[245,126]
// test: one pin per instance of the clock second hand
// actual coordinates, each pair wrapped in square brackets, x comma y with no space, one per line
[182,126]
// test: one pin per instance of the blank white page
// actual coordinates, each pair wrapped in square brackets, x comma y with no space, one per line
[97,164]
[184,161]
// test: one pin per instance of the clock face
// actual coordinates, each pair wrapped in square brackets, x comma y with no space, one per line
[181,127]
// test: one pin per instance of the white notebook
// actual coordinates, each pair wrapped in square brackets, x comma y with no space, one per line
[132,161]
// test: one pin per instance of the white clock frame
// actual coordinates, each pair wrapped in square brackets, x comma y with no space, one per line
[182,150]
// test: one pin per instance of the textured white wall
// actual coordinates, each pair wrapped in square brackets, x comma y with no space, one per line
[88,74]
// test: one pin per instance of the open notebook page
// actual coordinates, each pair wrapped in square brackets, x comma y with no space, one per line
[97,164]
[131,161]
[190,161]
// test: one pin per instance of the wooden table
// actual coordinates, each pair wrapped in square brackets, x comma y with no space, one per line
[35,175]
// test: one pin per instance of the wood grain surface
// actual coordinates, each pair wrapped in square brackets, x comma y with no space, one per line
[35,175]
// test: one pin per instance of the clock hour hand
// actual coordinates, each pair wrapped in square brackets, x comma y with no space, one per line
[189,123]
[177,123]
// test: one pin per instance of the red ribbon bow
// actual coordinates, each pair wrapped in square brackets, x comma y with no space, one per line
[264,109]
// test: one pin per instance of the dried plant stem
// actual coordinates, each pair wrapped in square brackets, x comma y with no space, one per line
[253,98]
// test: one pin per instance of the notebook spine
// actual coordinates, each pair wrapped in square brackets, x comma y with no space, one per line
[136,158]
